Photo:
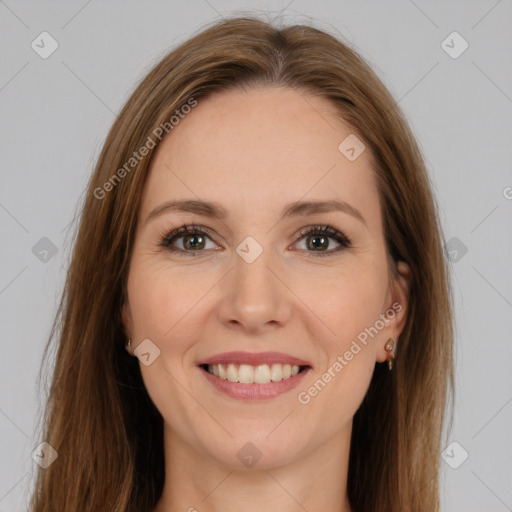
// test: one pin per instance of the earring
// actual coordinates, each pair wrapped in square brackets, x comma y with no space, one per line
[129,343]
[390,345]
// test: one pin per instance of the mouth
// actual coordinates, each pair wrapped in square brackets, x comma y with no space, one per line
[249,376]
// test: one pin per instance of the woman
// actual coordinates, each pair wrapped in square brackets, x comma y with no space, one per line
[257,314]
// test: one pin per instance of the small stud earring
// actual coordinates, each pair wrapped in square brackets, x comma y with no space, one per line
[129,343]
[390,345]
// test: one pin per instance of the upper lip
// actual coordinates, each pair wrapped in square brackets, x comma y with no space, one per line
[254,359]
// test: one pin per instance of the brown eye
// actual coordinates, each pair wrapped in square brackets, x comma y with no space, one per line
[193,242]
[317,242]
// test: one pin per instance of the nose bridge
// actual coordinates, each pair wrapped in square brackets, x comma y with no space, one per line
[254,296]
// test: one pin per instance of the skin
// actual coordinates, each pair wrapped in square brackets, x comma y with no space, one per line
[253,152]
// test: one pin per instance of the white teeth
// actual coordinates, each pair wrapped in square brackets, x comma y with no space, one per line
[276,374]
[232,373]
[247,374]
[262,374]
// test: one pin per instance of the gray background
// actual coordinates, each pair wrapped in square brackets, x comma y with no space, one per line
[56,112]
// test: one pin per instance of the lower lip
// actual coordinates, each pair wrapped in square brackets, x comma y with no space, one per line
[253,392]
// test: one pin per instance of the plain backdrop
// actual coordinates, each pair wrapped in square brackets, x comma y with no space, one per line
[56,111]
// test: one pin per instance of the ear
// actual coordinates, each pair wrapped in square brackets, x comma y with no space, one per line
[397,309]
[127,318]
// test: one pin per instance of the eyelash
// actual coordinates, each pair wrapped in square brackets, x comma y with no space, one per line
[186,229]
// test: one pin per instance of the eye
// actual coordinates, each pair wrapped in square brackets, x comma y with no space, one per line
[317,240]
[192,239]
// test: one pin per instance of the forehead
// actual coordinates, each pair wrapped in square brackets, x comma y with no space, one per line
[260,147]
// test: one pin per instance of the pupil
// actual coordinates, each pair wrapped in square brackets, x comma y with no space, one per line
[323,241]
[195,244]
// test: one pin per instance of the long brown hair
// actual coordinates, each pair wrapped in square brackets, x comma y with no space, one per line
[99,417]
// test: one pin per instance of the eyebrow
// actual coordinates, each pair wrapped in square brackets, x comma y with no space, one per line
[296,209]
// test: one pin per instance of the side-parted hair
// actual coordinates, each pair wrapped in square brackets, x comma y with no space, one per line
[99,416]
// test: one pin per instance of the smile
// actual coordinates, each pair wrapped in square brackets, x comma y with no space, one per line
[253,376]
[248,374]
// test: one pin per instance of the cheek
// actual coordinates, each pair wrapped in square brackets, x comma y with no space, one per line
[161,297]
[162,302]
[347,299]
[350,306]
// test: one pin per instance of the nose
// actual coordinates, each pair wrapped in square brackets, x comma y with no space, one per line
[255,297]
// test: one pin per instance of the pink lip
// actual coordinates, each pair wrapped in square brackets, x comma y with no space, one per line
[254,359]
[254,392]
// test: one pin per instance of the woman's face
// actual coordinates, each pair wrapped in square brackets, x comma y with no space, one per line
[254,282]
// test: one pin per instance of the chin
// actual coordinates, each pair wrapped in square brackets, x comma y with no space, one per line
[255,450]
